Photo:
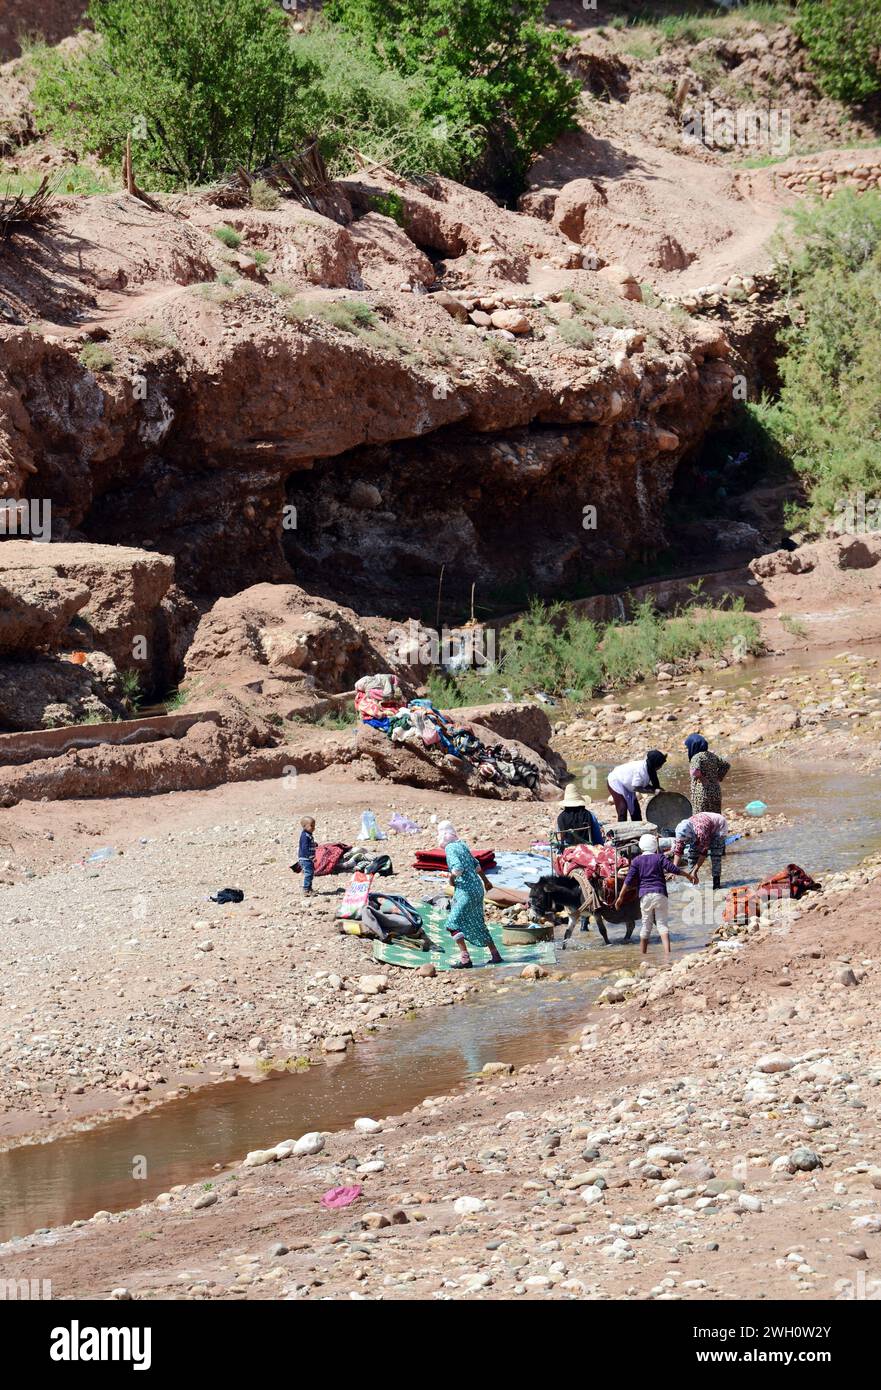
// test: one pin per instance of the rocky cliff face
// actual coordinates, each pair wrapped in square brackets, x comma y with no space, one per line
[51,19]
[307,426]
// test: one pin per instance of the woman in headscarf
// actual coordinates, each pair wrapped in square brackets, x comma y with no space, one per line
[708,771]
[629,778]
[466,923]
[701,835]
[577,825]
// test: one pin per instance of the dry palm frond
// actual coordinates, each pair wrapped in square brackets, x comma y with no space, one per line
[18,210]
[302,175]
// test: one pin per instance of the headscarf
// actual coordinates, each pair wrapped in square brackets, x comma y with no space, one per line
[654,760]
[685,831]
[696,743]
[446,833]
[648,844]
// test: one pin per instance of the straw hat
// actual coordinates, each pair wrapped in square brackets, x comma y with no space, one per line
[571,798]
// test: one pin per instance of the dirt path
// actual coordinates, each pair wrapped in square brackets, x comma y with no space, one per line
[114,309]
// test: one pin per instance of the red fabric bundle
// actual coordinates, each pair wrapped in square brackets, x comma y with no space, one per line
[435,859]
[749,900]
[327,857]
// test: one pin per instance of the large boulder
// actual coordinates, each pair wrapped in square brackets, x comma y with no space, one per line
[130,611]
[36,605]
[783,562]
[289,647]
[387,256]
[46,692]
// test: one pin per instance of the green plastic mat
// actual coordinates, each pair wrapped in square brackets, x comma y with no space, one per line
[444,952]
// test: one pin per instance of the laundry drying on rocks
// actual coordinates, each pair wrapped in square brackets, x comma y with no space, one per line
[381,703]
[750,900]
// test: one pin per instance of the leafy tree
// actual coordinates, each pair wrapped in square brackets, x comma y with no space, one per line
[359,102]
[491,75]
[200,85]
[827,420]
[843,38]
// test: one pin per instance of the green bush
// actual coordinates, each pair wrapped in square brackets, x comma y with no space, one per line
[229,236]
[843,38]
[200,85]
[471,90]
[575,333]
[96,358]
[358,102]
[490,78]
[389,205]
[827,421]
[555,650]
[346,314]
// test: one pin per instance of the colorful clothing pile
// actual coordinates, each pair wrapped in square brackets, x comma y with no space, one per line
[342,859]
[593,858]
[380,703]
[378,697]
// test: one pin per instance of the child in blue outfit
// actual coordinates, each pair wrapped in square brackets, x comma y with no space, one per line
[306,852]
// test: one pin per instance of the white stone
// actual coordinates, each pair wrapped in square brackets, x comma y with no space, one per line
[467,1206]
[775,1061]
[311,1143]
[746,1202]
[257,1157]
[664,1153]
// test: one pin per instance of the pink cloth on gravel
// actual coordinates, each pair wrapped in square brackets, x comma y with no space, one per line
[341,1196]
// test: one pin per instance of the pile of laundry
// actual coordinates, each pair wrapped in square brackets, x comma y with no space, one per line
[343,859]
[380,702]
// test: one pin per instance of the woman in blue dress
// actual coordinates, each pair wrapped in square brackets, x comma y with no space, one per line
[466,922]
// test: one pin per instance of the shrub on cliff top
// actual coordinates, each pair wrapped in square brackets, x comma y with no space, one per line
[843,38]
[359,102]
[200,85]
[492,82]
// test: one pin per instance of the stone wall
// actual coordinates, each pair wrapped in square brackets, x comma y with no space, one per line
[824,179]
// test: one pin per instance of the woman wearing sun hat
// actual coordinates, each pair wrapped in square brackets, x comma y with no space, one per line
[575,823]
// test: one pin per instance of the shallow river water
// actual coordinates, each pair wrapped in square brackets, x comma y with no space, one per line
[835,820]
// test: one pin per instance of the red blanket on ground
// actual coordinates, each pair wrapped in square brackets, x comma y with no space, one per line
[435,859]
[748,901]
